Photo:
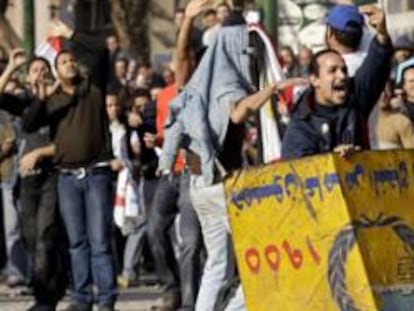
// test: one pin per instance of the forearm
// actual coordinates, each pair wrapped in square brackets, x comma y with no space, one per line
[247,106]
[46,152]
[183,52]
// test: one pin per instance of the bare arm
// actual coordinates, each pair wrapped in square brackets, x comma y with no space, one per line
[182,55]
[16,60]
[28,161]
[249,105]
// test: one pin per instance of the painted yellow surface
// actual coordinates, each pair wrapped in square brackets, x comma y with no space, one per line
[324,233]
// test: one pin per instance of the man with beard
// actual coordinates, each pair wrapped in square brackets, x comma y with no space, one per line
[332,113]
[77,117]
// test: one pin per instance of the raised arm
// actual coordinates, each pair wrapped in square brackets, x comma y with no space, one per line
[90,51]
[182,56]
[371,77]
[11,103]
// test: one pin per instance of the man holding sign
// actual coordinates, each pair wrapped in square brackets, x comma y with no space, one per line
[332,113]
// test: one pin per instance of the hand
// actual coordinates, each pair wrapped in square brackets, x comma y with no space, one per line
[28,162]
[376,19]
[116,165]
[149,140]
[195,7]
[60,29]
[346,151]
[7,146]
[17,58]
[40,89]
[134,119]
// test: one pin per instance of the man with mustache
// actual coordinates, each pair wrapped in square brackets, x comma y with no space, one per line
[332,113]
[78,121]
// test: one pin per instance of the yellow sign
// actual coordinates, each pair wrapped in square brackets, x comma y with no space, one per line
[323,233]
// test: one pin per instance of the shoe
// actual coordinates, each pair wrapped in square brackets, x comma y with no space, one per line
[169,302]
[14,281]
[41,307]
[125,283]
[106,308]
[77,307]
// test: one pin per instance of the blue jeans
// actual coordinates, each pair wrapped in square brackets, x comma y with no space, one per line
[86,209]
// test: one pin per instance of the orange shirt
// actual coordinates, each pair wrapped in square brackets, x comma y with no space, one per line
[163,102]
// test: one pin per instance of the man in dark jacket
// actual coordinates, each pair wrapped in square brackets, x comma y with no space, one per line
[79,126]
[332,114]
[38,193]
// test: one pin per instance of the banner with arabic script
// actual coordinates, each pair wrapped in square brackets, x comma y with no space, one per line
[324,233]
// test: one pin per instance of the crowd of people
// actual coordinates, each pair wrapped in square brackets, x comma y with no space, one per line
[110,166]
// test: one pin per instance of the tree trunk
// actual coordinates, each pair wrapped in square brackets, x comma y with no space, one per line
[8,36]
[130,20]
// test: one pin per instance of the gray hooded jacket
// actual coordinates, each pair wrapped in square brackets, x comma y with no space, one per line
[202,110]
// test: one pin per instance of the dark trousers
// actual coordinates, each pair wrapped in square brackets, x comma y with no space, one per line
[43,237]
[171,197]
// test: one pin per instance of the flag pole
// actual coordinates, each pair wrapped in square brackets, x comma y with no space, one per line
[28,26]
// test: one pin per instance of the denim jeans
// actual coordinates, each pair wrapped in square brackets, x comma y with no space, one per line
[17,261]
[86,209]
[210,205]
[171,197]
[135,242]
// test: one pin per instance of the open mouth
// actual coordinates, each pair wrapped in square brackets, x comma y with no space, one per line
[340,87]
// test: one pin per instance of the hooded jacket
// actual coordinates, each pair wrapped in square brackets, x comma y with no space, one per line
[202,110]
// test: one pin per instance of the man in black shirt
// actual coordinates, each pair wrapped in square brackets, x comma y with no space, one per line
[77,116]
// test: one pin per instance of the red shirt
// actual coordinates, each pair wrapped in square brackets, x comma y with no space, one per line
[163,102]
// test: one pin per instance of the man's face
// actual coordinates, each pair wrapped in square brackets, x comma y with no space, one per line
[112,107]
[178,19]
[401,55]
[287,57]
[331,85]
[38,70]
[210,20]
[408,84]
[304,57]
[222,13]
[112,43]
[139,103]
[67,67]
[121,69]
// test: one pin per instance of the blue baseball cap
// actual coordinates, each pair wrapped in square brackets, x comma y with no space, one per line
[409,63]
[341,15]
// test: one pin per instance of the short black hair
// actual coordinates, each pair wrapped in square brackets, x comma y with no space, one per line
[350,37]
[314,65]
[210,12]
[179,10]
[61,52]
[141,92]
[36,59]
[235,18]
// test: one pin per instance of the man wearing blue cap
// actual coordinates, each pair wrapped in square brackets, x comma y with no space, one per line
[345,34]
[332,114]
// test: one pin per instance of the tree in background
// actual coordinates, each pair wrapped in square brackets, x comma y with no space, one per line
[130,21]
[8,37]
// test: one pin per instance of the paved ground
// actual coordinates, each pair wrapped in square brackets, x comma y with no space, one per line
[133,299]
